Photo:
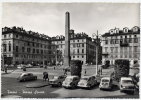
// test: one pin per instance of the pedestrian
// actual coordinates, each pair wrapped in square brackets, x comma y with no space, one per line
[65,71]
[45,76]
[85,71]
[100,70]
[6,68]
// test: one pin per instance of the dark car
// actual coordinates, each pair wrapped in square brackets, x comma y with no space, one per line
[26,77]
[57,80]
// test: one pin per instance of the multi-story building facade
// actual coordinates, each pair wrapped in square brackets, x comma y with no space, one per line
[82,47]
[25,47]
[121,44]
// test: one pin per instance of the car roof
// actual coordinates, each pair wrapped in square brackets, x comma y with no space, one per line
[86,76]
[108,78]
[71,76]
[126,78]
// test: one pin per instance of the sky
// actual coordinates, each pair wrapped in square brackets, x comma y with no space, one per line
[49,18]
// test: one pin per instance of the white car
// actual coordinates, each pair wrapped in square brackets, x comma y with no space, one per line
[71,82]
[126,84]
[87,82]
[106,83]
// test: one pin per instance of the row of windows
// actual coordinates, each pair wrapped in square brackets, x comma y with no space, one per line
[78,56]
[125,49]
[70,41]
[29,56]
[23,37]
[123,56]
[33,50]
[117,41]
[77,51]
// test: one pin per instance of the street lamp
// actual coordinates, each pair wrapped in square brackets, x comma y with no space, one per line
[96,36]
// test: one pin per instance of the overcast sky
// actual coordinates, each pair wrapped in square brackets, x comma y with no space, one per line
[49,18]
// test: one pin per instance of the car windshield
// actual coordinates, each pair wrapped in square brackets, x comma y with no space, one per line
[104,80]
[55,77]
[68,79]
[127,81]
[85,79]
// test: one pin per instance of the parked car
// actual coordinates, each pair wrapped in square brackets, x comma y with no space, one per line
[26,77]
[57,80]
[106,83]
[20,66]
[29,66]
[126,84]
[71,82]
[87,82]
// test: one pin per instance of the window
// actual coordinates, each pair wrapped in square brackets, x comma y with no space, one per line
[77,56]
[9,46]
[16,35]
[83,45]
[111,49]
[82,56]
[33,50]
[28,43]
[77,40]
[78,45]
[135,48]
[106,49]
[106,41]
[33,44]
[74,45]
[5,36]
[73,56]
[77,50]
[37,51]
[73,40]
[74,51]
[4,47]
[17,48]
[23,49]
[9,35]
[116,49]
[41,51]
[135,39]
[82,50]
[28,50]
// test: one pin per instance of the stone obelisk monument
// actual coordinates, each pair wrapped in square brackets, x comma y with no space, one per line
[67,40]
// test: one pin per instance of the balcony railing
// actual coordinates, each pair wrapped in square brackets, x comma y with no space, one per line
[124,44]
[105,54]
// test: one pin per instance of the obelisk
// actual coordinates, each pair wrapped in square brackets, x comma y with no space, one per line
[67,40]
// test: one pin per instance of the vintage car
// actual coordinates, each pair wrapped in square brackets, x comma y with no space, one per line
[71,82]
[127,85]
[26,77]
[57,80]
[106,83]
[87,82]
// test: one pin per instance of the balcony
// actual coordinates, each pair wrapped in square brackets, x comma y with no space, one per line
[124,44]
[105,54]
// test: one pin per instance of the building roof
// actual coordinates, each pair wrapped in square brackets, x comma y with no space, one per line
[125,31]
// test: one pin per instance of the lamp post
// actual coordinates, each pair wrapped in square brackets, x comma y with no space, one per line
[97,45]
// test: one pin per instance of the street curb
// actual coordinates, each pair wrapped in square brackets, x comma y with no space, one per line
[37,85]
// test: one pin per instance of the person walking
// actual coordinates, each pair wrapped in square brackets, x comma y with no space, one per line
[85,71]
[45,76]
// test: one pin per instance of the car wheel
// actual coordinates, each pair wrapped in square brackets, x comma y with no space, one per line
[121,91]
[24,80]
[59,84]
